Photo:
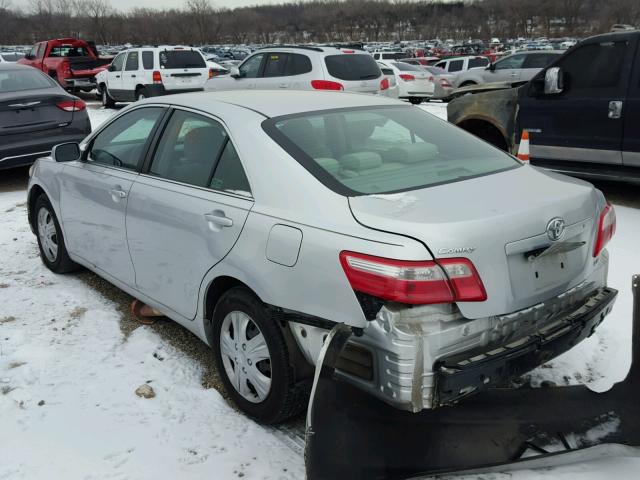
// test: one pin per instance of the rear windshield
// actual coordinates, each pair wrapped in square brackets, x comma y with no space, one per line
[181,59]
[11,57]
[405,67]
[69,51]
[18,80]
[352,67]
[384,149]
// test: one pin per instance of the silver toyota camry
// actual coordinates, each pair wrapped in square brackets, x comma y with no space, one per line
[259,220]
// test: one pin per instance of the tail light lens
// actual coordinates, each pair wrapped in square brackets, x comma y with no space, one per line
[417,283]
[211,73]
[431,78]
[71,105]
[384,84]
[444,82]
[606,229]
[157,78]
[347,51]
[326,85]
[407,78]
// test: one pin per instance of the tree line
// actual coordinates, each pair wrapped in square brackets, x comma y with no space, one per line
[200,22]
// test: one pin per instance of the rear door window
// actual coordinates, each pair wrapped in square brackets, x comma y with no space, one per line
[352,67]
[275,64]
[456,65]
[189,149]
[478,62]
[229,175]
[538,60]
[172,59]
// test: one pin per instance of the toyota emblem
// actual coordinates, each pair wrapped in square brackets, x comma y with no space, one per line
[555,228]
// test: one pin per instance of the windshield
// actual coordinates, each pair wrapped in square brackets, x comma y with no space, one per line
[406,67]
[352,67]
[23,79]
[384,149]
[181,59]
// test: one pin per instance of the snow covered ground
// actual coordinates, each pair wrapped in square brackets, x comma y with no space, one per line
[68,375]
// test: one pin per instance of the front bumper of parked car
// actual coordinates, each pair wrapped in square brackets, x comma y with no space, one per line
[429,356]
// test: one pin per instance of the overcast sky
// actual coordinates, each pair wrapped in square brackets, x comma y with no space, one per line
[127,4]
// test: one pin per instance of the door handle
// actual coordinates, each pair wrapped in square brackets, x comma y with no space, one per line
[218,219]
[117,76]
[282,85]
[132,76]
[615,109]
[117,194]
[513,74]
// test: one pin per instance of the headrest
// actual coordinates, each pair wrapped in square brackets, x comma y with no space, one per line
[412,152]
[360,161]
[331,165]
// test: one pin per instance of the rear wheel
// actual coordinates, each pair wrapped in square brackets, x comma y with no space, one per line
[107,101]
[53,251]
[253,359]
[141,94]
[415,100]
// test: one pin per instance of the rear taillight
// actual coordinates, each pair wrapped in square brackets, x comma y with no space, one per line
[431,78]
[606,229]
[211,73]
[157,78]
[326,85]
[384,84]
[444,82]
[424,282]
[71,105]
[407,78]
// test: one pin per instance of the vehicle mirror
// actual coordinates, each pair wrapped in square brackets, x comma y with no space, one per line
[491,67]
[235,72]
[553,83]
[66,152]
[28,56]
[111,68]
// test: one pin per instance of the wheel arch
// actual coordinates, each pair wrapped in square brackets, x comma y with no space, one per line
[486,129]
[35,191]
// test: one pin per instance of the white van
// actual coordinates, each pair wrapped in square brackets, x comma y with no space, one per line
[144,72]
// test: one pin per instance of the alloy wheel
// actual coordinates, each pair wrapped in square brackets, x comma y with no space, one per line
[48,234]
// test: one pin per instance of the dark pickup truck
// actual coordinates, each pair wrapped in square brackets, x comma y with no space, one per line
[71,62]
[582,112]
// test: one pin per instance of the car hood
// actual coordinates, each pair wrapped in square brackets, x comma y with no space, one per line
[495,221]
[486,87]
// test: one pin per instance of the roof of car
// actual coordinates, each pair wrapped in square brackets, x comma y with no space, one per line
[13,66]
[272,103]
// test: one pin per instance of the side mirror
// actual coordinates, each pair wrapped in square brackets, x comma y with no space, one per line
[491,67]
[66,152]
[235,72]
[553,81]
[111,68]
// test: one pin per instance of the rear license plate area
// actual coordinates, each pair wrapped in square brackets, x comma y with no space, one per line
[548,270]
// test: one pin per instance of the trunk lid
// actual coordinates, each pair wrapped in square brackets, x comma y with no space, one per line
[183,69]
[499,222]
[32,111]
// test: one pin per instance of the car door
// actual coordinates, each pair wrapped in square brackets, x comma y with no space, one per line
[249,70]
[187,211]
[94,192]
[114,77]
[506,69]
[273,75]
[584,122]
[455,66]
[130,75]
[631,118]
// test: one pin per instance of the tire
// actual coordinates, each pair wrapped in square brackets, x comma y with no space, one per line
[283,398]
[415,100]
[107,101]
[141,94]
[53,250]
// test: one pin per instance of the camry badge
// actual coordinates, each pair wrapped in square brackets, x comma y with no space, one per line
[555,228]
[450,251]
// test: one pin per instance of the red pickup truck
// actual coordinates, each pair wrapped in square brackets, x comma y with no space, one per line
[71,62]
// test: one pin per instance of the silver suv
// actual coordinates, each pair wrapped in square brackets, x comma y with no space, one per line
[305,68]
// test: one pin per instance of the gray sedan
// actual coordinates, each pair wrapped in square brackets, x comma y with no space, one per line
[260,220]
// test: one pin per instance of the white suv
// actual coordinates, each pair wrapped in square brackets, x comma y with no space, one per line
[305,68]
[139,73]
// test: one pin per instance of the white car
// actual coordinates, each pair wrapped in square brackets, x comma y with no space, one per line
[462,64]
[139,73]
[10,57]
[304,68]
[414,83]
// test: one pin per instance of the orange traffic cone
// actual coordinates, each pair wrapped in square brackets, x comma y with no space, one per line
[523,148]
